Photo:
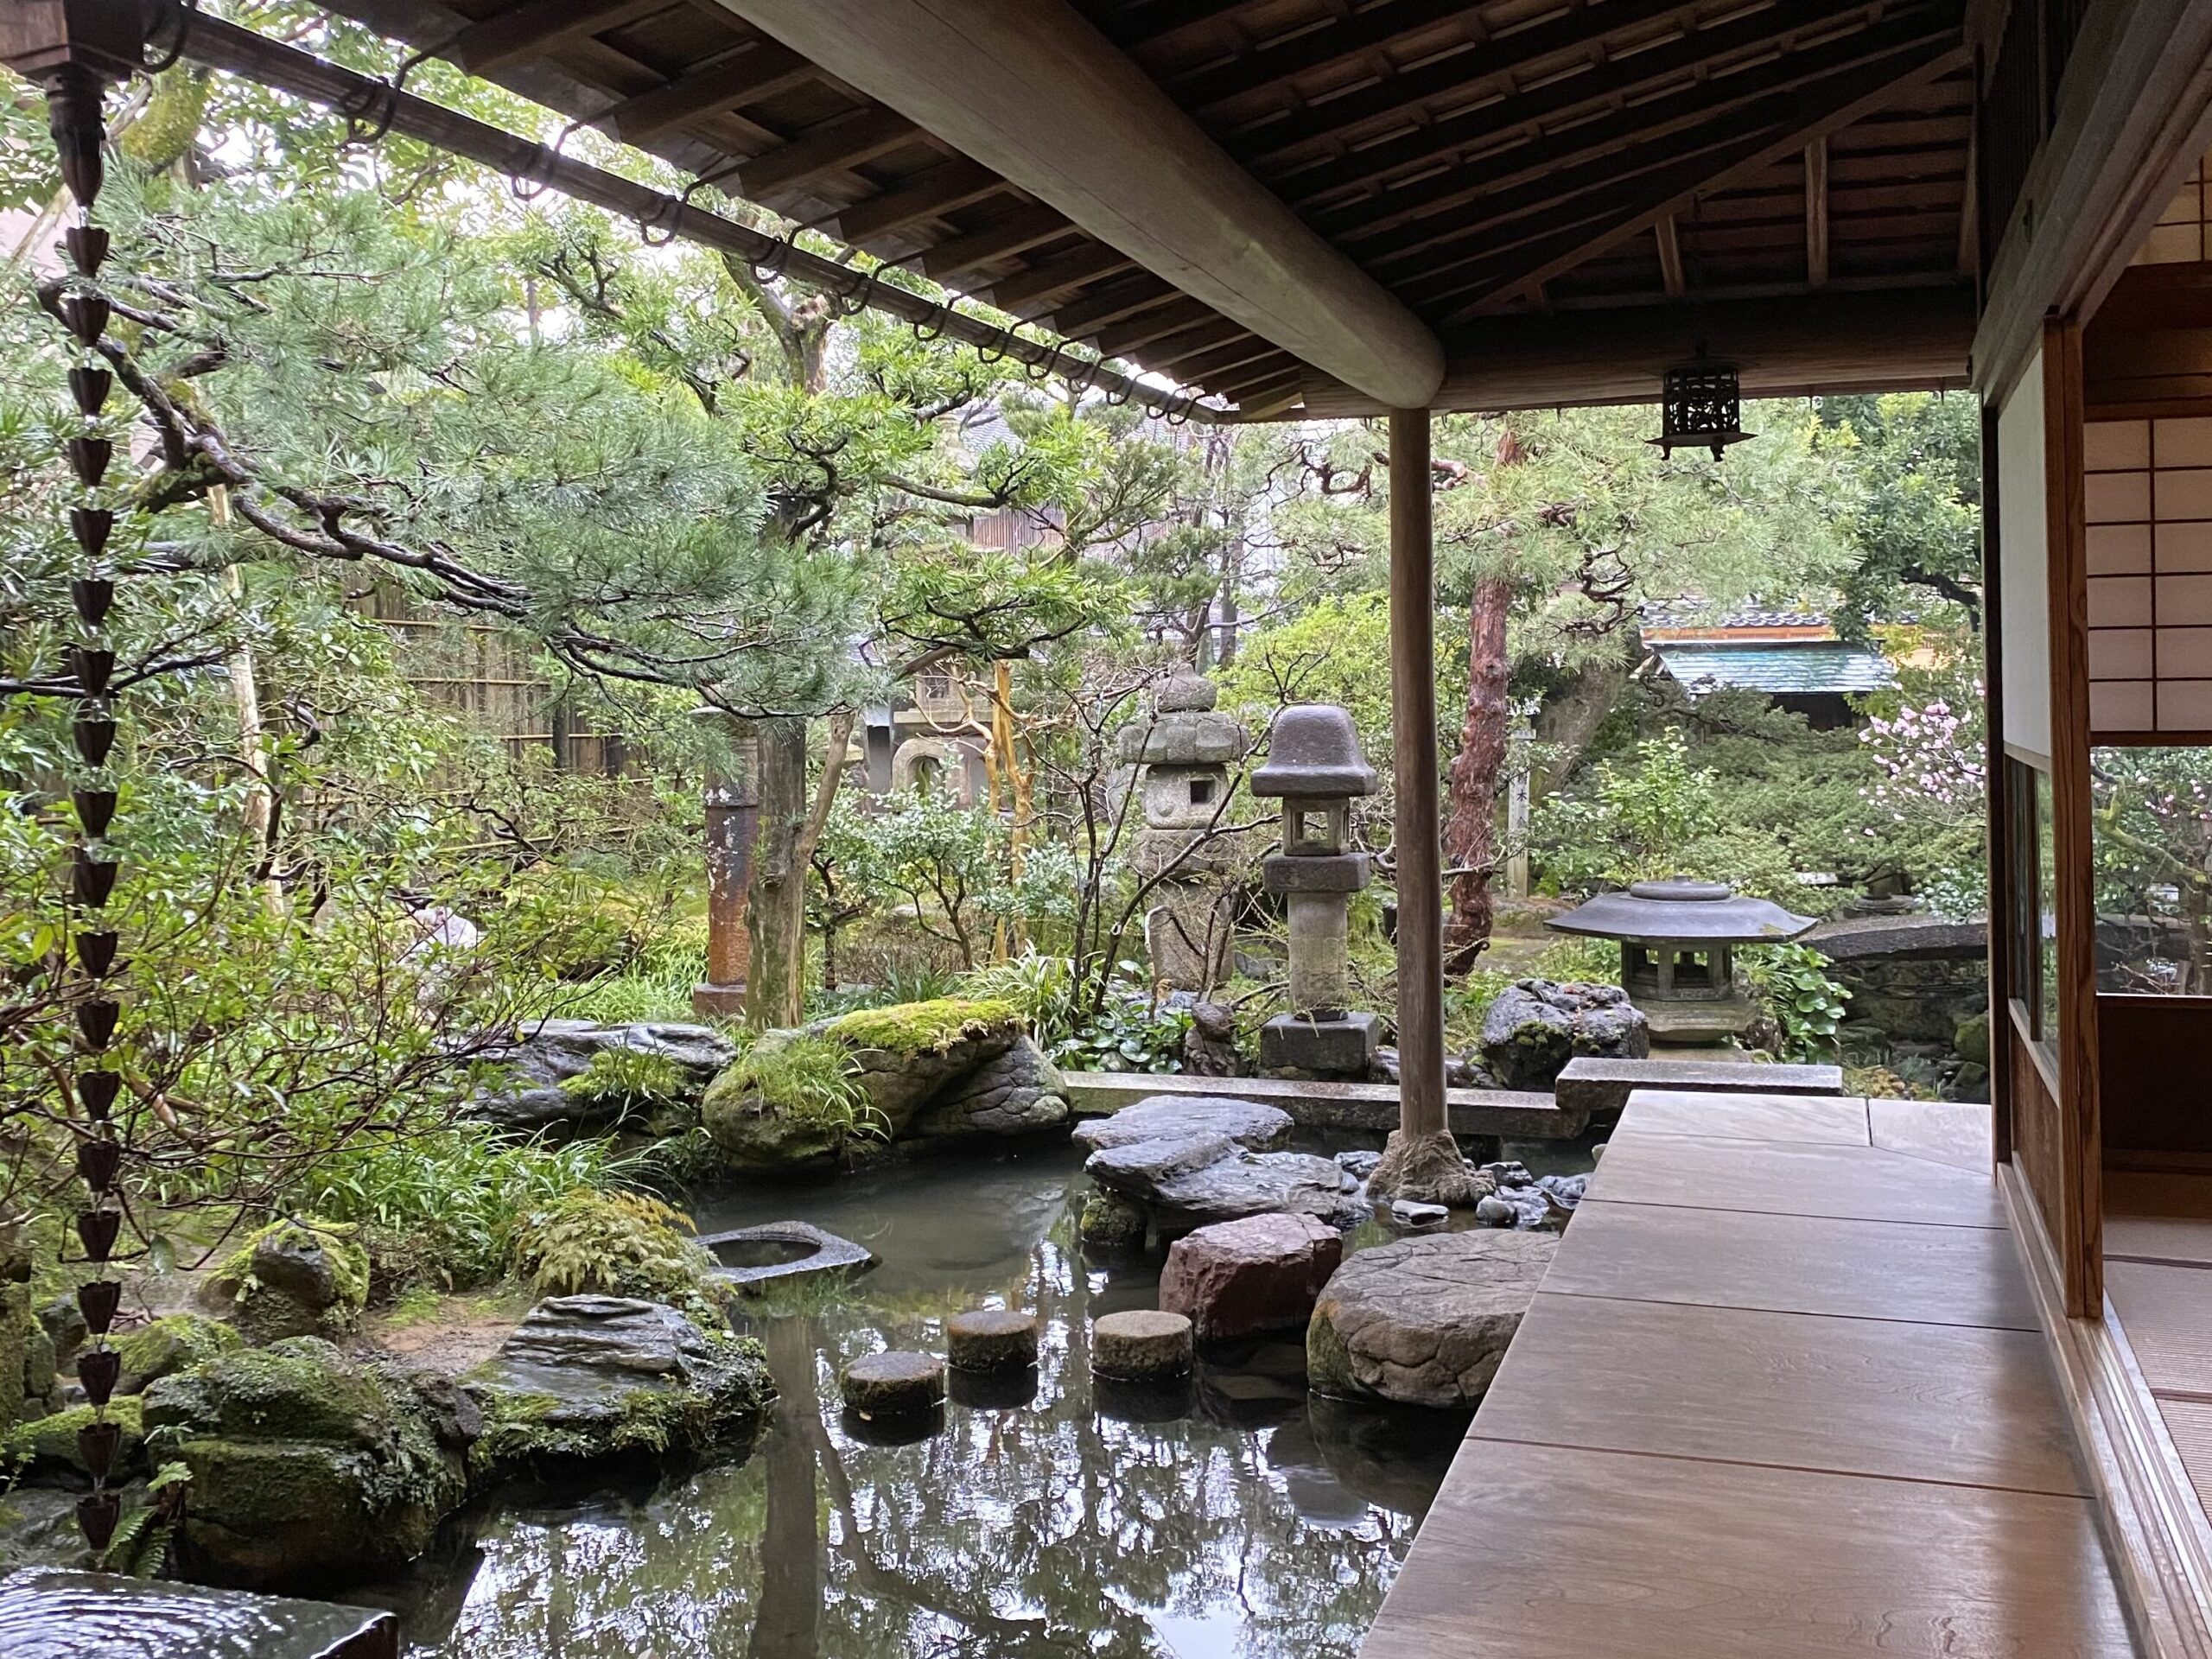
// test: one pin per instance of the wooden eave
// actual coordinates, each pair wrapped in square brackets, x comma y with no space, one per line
[1525,176]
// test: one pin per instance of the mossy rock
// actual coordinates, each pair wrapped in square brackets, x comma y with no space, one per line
[47,1446]
[17,1328]
[592,1380]
[305,1468]
[912,1029]
[174,1342]
[297,1277]
[757,1134]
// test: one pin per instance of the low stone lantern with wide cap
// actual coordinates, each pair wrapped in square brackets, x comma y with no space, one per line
[1315,766]
[1678,939]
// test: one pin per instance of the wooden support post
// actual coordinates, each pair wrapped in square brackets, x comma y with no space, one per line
[1816,213]
[1422,1162]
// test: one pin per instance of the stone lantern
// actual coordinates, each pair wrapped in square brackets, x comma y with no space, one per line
[1678,939]
[1314,765]
[1186,752]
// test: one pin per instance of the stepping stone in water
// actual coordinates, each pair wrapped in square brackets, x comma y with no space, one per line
[1140,1346]
[991,1339]
[894,1384]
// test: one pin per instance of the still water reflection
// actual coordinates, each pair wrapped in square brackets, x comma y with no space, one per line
[1239,1519]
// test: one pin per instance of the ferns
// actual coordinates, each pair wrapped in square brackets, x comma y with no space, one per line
[620,1243]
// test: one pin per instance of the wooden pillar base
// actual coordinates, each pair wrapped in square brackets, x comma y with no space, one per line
[710,1001]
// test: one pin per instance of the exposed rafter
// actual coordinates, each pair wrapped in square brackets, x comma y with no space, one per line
[1816,213]
[539,26]
[1028,88]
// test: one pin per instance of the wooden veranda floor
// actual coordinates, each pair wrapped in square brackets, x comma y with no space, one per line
[1784,1393]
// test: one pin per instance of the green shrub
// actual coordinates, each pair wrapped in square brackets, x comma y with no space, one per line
[620,1243]
[1128,1034]
[1792,981]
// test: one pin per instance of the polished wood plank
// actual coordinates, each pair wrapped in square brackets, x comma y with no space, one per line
[1576,1555]
[1835,1119]
[2165,1216]
[2189,1424]
[1940,1403]
[2167,1314]
[1951,1132]
[1813,1264]
[1864,1184]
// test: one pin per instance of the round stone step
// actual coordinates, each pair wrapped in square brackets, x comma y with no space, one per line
[991,1339]
[894,1384]
[1140,1346]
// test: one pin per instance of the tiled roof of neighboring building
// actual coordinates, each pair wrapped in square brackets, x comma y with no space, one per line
[1811,665]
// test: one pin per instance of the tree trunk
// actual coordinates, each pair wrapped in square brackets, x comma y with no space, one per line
[1470,830]
[775,911]
[1568,722]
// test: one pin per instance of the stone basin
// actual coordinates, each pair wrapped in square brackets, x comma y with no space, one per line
[748,1258]
[55,1613]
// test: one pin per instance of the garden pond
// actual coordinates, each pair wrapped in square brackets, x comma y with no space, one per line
[1240,1517]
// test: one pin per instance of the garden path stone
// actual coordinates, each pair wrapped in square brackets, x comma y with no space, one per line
[1140,1345]
[585,1379]
[893,1385]
[1260,1274]
[991,1339]
[1251,1125]
[1424,1321]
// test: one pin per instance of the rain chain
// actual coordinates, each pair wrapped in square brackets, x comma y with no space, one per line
[74,96]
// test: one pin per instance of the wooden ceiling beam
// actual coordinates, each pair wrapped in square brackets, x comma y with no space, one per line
[1614,84]
[1321,127]
[538,27]
[1080,318]
[1016,232]
[1273,65]
[1194,367]
[1048,279]
[1188,342]
[1030,89]
[1124,338]
[833,146]
[927,195]
[1639,202]
[1601,155]
[1837,341]
[761,71]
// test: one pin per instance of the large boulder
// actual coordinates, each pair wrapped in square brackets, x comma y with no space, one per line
[908,1060]
[1261,1273]
[304,1466]
[1015,1093]
[547,1082]
[1537,1025]
[174,1342]
[1187,1181]
[1426,1321]
[298,1277]
[1250,1125]
[598,1380]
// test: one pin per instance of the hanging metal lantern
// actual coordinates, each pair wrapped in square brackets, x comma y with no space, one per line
[1701,407]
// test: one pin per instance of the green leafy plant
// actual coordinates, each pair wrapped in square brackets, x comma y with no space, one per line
[808,1076]
[1043,989]
[1793,983]
[1129,1032]
[621,1244]
[628,1078]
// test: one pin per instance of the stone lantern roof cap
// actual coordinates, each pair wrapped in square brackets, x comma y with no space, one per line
[1706,913]
[1314,754]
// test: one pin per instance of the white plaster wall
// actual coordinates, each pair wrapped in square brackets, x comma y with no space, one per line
[2024,557]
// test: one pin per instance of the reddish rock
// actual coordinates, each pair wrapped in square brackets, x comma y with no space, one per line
[1263,1272]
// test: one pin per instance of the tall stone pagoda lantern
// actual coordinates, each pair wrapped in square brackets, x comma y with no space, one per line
[1186,752]
[1678,939]
[1315,765]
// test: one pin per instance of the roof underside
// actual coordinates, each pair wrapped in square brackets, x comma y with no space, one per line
[1488,164]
